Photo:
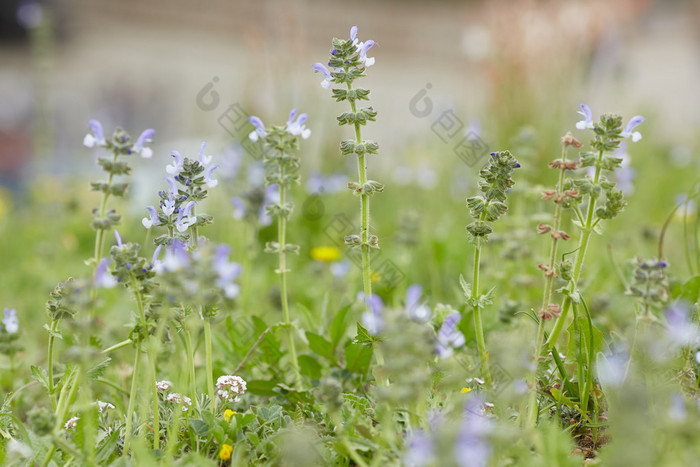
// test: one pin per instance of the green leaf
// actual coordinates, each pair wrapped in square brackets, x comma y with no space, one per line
[561,398]
[339,325]
[107,448]
[581,326]
[363,337]
[486,299]
[309,366]
[261,387]
[253,438]
[357,357]
[55,334]
[320,346]
[690,290]
[200,427]
[97,370]
[42,377]
[466,288]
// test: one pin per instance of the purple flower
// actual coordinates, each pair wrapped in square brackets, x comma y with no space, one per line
[144,138]
[272,196]
[176,167]
[152,218]
[259,131]
[296,128]
[204,160]
[419,450]
[414,309]
[587,122]
[634,122]
[184,220]
[10,321]
[472,449]
[321,68]
[680,329]
[449,337]
[97,137]
[226,271]
[364,48]
[175,258]
[612,369]
[156,254]
[211,183]
[340,269]
[625,175]
[239,209]
[103,278]
[353,33]
[372,320]
[119,239]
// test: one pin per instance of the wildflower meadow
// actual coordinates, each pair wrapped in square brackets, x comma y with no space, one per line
[524,294]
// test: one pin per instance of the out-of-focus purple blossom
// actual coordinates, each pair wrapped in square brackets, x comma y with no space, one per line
[256,174]
[30,13]
[631,125]
[259,131]
[473,130]
[272,196]
[174,259]
[97,137]
[472,448]
[419,449]
[449,337]
[10,321]
[156,254]
[414,309]
[152,218]
[139,146]
[587,121]
[321,68]
[103,278]
[226,271]
[211,183]
[676,411]
[372,320]
[203,159]
[239,208]
[317,183]
[176,167]
[680,329]
[340,268]
[612,369]
[119,239]
[231,160]
[625,174]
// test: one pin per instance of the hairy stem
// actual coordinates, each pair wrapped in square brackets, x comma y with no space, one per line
[478,325]
[100,235]
[52,388]
[210,368]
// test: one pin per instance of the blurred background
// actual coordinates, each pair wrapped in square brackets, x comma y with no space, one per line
[502,74]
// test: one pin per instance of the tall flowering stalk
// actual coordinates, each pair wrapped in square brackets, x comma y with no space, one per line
[120,144]
[349,62]
[486,208]
[281,166]
[608,134]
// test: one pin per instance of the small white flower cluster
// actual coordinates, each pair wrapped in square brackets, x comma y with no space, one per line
[163,385]
[71,423]
[177,398]
[102,406]
[229,387]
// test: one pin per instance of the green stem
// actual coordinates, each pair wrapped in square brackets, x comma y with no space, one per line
[190,362]
[52,388]
[210,369]
[364,210]
[99,238]
[478,325]
[578,263]
[282,271]
[117,346]
[546,299]
[156,409]
[132,398]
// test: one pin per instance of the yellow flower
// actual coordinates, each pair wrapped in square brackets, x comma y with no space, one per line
[375,277]
[225,453]
[465,390]
[228,414]
[325,253]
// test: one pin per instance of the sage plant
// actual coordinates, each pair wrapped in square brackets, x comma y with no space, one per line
[348,62]
[495,182]
[281,165]
[120,144]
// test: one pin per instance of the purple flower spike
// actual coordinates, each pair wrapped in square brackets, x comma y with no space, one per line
[97,138]
[634,122]
[259,131]
[152,220]
[102,276]
[321,68]
[144,138]
[449,337]
[587,122]
[119,239]
[176,166]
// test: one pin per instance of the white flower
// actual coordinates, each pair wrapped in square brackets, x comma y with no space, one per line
[163,385]
[71,423]
[177,398]
[102,406]
[229,387]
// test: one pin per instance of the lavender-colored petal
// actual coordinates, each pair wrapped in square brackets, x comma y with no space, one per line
[257,123]
[321,68]
[145,137]
[96,128]
[353,33]
[102,277]
[239,209]
[302,119]
[207,176]
[586,112]
[173,186]
[634,122]
[612,369]
[119,239]
[419,450]
[153,220]
[156,253]
[292,114]
[10,321]
[376,304]
[413,294]
[365,47]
